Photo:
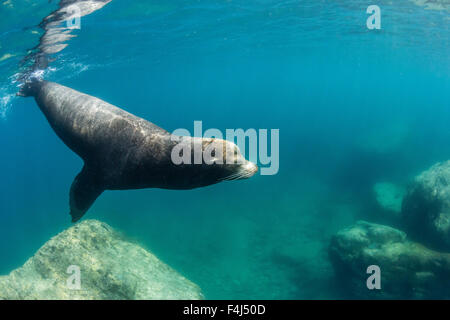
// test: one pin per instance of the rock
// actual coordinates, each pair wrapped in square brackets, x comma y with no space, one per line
[110,268]
[426,206]
[408,269]
[389,196]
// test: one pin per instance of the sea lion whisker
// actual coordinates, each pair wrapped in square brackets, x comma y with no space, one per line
[231,177]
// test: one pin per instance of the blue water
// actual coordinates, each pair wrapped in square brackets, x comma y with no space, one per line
[354,107]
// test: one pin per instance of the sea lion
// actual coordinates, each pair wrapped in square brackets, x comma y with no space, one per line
[122,151]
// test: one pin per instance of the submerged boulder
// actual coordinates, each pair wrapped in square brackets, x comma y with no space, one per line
[109,266]
[426,206]
[389,196]
[408,270]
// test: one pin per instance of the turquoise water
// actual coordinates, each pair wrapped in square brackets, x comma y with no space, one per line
[354,107]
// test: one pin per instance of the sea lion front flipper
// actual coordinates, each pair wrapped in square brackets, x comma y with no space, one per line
[85,189]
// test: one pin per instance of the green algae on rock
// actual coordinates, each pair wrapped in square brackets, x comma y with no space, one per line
[110,268]
[408,269]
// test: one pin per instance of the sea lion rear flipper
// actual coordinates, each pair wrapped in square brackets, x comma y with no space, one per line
[85,189]
[30,87]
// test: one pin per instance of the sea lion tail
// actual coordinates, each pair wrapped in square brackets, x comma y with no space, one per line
[30,87]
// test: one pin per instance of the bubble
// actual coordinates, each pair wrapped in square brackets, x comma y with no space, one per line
[5,102]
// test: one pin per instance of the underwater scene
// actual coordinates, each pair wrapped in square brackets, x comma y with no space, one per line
[225,149]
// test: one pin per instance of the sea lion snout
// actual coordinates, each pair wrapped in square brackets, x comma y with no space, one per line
[249,169]
[243,171]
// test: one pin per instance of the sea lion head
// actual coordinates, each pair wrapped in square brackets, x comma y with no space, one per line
[227,156]
[214,160]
